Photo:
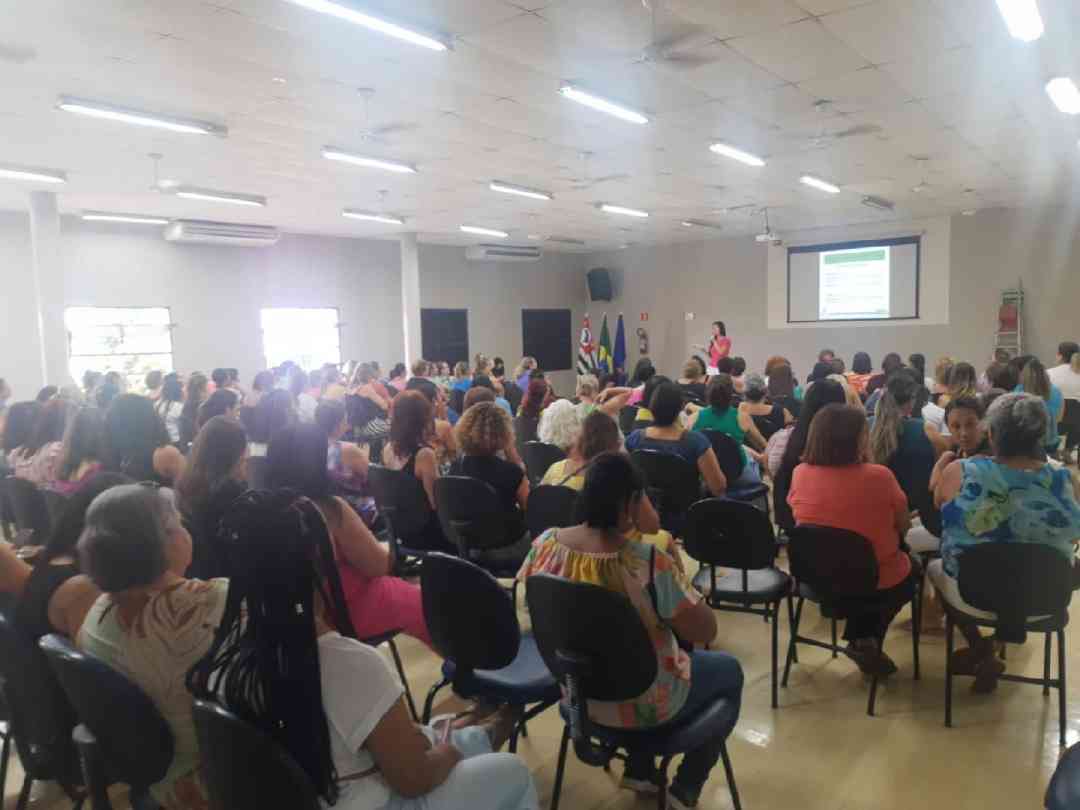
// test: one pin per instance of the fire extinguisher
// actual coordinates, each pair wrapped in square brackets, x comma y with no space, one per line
[642,342]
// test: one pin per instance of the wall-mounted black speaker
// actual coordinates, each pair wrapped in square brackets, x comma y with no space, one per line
[599,284]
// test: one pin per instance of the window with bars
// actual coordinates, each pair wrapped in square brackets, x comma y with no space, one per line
[309,337]
[130,340]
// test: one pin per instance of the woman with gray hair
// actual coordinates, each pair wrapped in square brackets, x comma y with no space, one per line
[150,622]
[1015,496]
[768,417]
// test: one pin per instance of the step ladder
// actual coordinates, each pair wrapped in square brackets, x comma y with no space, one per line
[1010,329]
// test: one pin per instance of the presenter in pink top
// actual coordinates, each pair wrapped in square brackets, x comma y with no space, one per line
[719,346]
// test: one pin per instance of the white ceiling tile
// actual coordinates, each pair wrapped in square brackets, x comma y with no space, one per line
[865,89]
[829,6]
[734,18]
[799,52]
[892,29]
[720,72]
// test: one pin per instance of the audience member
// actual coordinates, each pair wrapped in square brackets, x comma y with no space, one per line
[152,383]
[1066,374]
[443,441]
[942,373]
[136,444]
[477,394]
[905,443]
[644,416]
[47,393]
[378,602]
[484,381]
[985,381]
[170,404]
[667,435]
[917,361]
[1014,496]
[783,390]
[1035,380]
[367,408]
[215,476]
[821,371]
[560,424]
[835,487]
[194,397]
[108,390]
[767,417]
[598,552]
[150,622]
[961,383]
[862,369]
[722,417]
[347,463]
[738,369]
[81,455]
[222,402]
[19,426]
[523,371]
[826,356]
[38,460]
[528,419]
[274,413]
[395,383]
[305,403]
[890,364]
[692,382]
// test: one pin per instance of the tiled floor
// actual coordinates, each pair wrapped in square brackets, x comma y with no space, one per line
[819,750]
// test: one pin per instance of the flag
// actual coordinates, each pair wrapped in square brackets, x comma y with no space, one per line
[586,356]
[604,353]
[619,355]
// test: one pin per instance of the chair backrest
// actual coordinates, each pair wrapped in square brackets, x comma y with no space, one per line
[1063,792]
[136,743]
[55,503]
[674,479]
[257,469]
[1071,418]
[401,497]
[730,534]
[40,712]
[728,454]
[28,506]
[1023,579]
[244,769]
[836,563]
[627,416]
[593,633]
[551,507]
[525,429]
[470,513]
[470,616]
[538,457]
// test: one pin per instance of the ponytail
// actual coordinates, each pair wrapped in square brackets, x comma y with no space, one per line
[889,417]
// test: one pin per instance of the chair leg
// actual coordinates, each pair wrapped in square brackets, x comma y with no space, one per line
[874,680]
[775,650]
[404,680]
[791,619]
[1047,641]
[834,652]
[556,789]
[791,645]
[661,794]
[916,630]
[949,628]
[730,772]
[1061,686]
[24,794]
[431,700]
[5,758]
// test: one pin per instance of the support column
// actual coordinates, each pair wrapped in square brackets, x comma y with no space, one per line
[410,298]
[48,287]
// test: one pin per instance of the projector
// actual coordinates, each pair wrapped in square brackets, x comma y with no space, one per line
[768,237]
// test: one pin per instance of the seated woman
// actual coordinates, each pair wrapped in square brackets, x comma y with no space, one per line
[274,413]
[442,435]
[668,436]
[723,418]
[692,381]
[216,475]
[367,407]
[194,397]
[528,418]
[223,402]
[962,382]
[19,425]
[150,622]
[768,417]
[862,369]
[170,404]
[598,552]
[80,458]
[784,390]
[292,667]
[483,433]
[378,602]
[39,459]
[410,451]
[643,372]
[560,424]
[348,462]
[1035,380]
[1014,496]
[834,486]
[644,416]
[136,444]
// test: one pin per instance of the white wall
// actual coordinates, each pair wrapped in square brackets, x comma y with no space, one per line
[20,349]
[967,262]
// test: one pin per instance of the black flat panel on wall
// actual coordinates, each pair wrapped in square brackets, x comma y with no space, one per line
[546,335]
[444,334]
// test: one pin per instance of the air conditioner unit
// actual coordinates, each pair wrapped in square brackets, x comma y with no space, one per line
[503,253]
[220,233]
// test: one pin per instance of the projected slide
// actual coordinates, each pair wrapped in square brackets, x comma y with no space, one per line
[854,284]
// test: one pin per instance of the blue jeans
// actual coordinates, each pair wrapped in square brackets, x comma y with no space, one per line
[712,675]
[481,781]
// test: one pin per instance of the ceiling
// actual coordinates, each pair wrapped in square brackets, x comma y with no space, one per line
[905,79]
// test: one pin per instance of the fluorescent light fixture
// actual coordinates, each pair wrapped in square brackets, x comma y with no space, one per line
[9,171]
[100,109]
[330,153]
[534,236]
[521,191]
[1065,94]
[700,223]
[349,14]
[819,184]
[626,212]
[134,219]
[484,231]
[385,219]
[737,154]
[1022,18]
[602,104]
[191,193]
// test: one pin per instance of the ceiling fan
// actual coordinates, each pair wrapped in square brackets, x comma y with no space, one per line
[370,134]
[767,236]
[584,183]
[677,51]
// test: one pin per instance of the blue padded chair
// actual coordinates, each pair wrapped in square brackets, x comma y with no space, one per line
[673,483]
[1063,792]
[730,458]
[729,534]
[404,505]
[595,643]
[474,627]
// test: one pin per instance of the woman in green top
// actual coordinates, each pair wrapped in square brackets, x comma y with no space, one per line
[723,418]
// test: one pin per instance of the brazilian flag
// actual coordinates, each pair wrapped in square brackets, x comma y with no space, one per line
[603,357]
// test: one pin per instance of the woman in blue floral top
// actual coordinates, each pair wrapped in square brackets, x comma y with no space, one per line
[1013,497]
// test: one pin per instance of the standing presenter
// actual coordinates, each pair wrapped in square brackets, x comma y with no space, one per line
[719,346]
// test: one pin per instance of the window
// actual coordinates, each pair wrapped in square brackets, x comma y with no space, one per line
[131,340]
[308,337]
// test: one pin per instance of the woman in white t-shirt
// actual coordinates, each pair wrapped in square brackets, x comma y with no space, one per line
[170,404]
[283,656]
[1066,375]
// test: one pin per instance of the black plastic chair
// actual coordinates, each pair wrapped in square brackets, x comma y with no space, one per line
[525,429]
[595,643]
[29,510]
[551,507]
[729,534]
[55,503]
[1069,426]
[40,717]
[675,483]
[538,457]
[244,769]
[257,470]
[474,627]
[729,456]
[1063,792]
[476,523]
[627,417]
[122,737]
[838,570]
[388,639]
[1020,579]
[404,505]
